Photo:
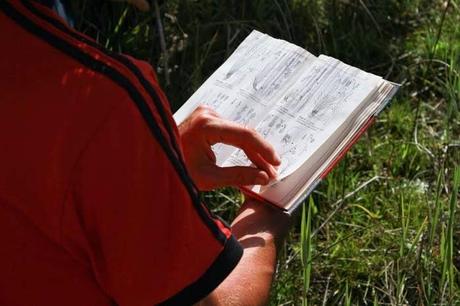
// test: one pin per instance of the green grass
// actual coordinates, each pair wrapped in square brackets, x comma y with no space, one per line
[384,227]
[306,248]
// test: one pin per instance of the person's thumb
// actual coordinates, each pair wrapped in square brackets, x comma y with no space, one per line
[237,176]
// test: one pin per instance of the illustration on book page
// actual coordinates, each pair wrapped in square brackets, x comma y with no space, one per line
[245,87]
[311,110]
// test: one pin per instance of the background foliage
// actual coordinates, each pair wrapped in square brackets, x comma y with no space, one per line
[384,228]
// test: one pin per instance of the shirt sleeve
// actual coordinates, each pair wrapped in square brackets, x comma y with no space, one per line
[134,220]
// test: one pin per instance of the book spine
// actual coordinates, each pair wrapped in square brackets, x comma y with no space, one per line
[304,196]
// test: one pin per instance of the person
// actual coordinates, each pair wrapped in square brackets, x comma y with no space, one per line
[99,189]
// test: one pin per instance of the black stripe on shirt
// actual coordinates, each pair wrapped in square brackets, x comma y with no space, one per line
[135,70]
[99,66]
[214,275]
[118,57]
[232,251]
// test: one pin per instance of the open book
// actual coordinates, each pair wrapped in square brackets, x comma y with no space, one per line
[311,109]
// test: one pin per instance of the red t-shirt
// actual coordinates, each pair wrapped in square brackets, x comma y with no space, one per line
[96,206]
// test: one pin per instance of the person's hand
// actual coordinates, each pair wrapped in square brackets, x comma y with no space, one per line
[142,5]
[204,128]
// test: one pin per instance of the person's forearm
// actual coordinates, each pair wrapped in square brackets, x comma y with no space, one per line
[259,228]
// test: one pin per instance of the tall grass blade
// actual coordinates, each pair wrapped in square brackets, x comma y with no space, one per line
[306,248]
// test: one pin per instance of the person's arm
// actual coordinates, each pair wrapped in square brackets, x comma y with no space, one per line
[259,228]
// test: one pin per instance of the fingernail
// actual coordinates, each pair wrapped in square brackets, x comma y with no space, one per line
[262,179]
[277,158]
[273,172]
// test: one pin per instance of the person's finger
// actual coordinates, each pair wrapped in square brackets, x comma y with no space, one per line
[254,156]
[203,108]
[224,131]
[237,176]
[261,163]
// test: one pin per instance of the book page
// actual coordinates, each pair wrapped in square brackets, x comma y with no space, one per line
[244,87]
[312,109]
[297,186]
